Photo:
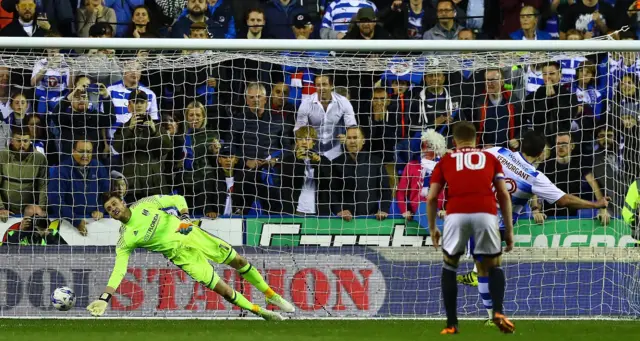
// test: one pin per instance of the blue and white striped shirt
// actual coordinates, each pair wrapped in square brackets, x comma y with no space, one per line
[51,87]
[590,97]
[120,98]
[524,181]
[568,68]
[340,12]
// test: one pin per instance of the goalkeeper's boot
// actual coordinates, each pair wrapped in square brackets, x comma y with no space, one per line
[489,323]
[449,330]
[270,315]
[470,279]
[503,323]
[281,303]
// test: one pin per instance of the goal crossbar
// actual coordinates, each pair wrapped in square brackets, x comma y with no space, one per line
[321,45]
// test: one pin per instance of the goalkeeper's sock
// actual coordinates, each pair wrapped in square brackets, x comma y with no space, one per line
[450,294]
[239,300]
[251,274]
[497,284]
[475,269]
[483,289]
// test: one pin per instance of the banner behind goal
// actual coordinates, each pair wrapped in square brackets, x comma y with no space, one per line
[313,161]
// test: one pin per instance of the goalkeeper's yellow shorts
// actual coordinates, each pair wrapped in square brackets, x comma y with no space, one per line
[198,249]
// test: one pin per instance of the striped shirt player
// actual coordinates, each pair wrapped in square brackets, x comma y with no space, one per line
[339,13]
[470,175]
[524,181]
[53,85]
[119,96]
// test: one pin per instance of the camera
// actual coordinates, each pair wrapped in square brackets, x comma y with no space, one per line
[39,223]
[93,88]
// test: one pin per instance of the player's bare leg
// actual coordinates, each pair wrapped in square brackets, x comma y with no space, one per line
[251,274]
[239,300]
[496,289]
[449,289]
[483,289]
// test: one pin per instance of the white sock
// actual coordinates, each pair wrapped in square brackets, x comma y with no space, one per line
[483,289]
[475,268]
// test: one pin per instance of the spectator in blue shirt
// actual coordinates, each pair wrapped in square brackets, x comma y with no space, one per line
[280,15]
[529,26]
[221,22]
[76,185]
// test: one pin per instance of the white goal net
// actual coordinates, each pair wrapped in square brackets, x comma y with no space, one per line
[310,163]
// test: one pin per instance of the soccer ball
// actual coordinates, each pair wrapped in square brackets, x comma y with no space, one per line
[63,298]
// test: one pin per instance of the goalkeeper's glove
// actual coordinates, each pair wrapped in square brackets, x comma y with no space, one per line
[99,306]
[185,228]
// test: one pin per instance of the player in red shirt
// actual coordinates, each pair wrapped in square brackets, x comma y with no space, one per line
[471,176]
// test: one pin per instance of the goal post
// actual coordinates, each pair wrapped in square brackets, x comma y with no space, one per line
[285,209]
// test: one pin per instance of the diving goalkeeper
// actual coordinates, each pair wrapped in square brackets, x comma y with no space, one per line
[145,225]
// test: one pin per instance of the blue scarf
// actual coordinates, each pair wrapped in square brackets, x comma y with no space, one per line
[591,97]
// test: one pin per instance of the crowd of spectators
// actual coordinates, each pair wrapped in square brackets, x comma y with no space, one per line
[246,136]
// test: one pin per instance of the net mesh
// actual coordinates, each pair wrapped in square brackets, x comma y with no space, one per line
[243,138]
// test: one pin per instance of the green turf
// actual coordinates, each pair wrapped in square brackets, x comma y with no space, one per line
[306,330]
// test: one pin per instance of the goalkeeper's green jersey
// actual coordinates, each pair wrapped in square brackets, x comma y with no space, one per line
[149,228]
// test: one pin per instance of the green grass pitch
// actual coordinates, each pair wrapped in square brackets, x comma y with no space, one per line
[306,330]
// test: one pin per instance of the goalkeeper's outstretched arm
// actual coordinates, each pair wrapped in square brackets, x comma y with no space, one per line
[99,306]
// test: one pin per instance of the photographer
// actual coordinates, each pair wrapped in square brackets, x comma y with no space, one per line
[39,232]
[142,144]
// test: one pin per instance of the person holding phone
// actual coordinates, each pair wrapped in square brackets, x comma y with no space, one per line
[87,112]
[143,145]
[305,178]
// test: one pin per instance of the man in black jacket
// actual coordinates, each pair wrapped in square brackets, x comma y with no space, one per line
[553,106]
[226,192]
[258,137]
[78,118]
[400,18]
[256,132]
[305,178]
[359,181]
[364,26]
[25,24]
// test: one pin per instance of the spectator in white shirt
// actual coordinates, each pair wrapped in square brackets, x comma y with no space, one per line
[329,114]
